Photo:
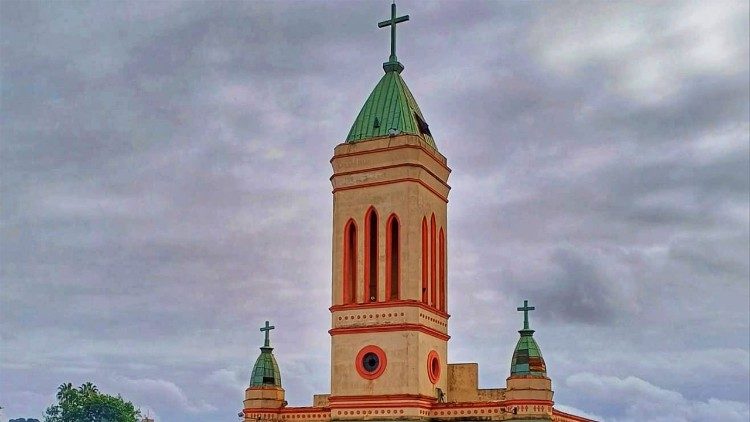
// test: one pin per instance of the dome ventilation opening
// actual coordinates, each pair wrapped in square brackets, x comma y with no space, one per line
[424,128]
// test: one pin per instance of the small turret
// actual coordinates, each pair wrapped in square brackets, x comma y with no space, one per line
[527,357]
[528,381]
[265,390]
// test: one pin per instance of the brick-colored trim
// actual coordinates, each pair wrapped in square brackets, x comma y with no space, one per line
[389,148]
[408,303]
[389,328]
[390,182]
[370,169]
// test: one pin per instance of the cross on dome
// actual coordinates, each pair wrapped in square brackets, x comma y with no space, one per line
[392,63]
[266,330]
[525,309]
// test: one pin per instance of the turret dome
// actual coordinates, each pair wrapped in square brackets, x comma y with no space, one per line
[266,370]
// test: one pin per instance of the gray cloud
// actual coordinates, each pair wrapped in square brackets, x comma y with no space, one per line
[164,180]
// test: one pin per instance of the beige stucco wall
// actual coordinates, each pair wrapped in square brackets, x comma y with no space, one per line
[406,367]
[398,175]
[463,385]
[529,388]
[409,200]
[320,400]
[270,397]
[463,382]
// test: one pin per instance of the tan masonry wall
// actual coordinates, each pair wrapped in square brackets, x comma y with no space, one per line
[387,316]
[399,176]
[406,366]
[361,181]
[491,394]
[411,203]
[528,388]
[320,400]
[463,382]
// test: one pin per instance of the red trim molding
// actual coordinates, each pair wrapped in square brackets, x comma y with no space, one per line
[376,150]
[286,409]
[381,397]
[369,254]
[369,169]
[532,402]
[442,406]
[389,328]
[433,367]
[381,401]
[441,274]
[433,262]
[392,258]
[349,289]
[359,365]
[425,263]
[389,182]
[263,387]
[568,416]
[408,303]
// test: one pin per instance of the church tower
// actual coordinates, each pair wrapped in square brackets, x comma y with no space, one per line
[389,303]
[265,390]
[389,307]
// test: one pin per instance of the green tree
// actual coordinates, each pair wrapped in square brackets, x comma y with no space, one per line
[87,404]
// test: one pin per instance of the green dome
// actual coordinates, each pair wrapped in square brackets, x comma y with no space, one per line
[527,358]
[266,370]
[390,109]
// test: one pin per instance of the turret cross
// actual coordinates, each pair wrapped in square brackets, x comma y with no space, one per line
[525,309]
[267,330]
[392,23]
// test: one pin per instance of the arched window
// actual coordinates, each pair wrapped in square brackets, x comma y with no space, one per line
[433,262]
[441,273]
[350,263]
[393,258]
[371,256]
[425,260]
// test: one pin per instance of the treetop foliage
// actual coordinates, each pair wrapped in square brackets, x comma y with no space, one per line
[87,404]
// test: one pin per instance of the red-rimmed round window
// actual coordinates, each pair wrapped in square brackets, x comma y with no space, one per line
[370,362]
[433,367]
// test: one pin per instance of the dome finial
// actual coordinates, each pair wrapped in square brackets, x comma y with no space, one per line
[267,329]
[392,64]
[525,309]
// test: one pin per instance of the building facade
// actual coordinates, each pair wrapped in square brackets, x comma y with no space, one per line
[389,304]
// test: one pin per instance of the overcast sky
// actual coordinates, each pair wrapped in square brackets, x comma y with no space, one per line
[164,171]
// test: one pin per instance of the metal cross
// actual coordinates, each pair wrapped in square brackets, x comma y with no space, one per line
[267,330]
[392,23]
[526,308]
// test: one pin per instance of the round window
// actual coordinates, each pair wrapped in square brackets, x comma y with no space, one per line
[433,367]
[370,362]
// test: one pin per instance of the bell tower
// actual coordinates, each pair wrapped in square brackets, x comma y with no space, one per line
[389,325]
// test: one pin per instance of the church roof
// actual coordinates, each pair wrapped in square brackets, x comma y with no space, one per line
[266,370]
[390,110]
